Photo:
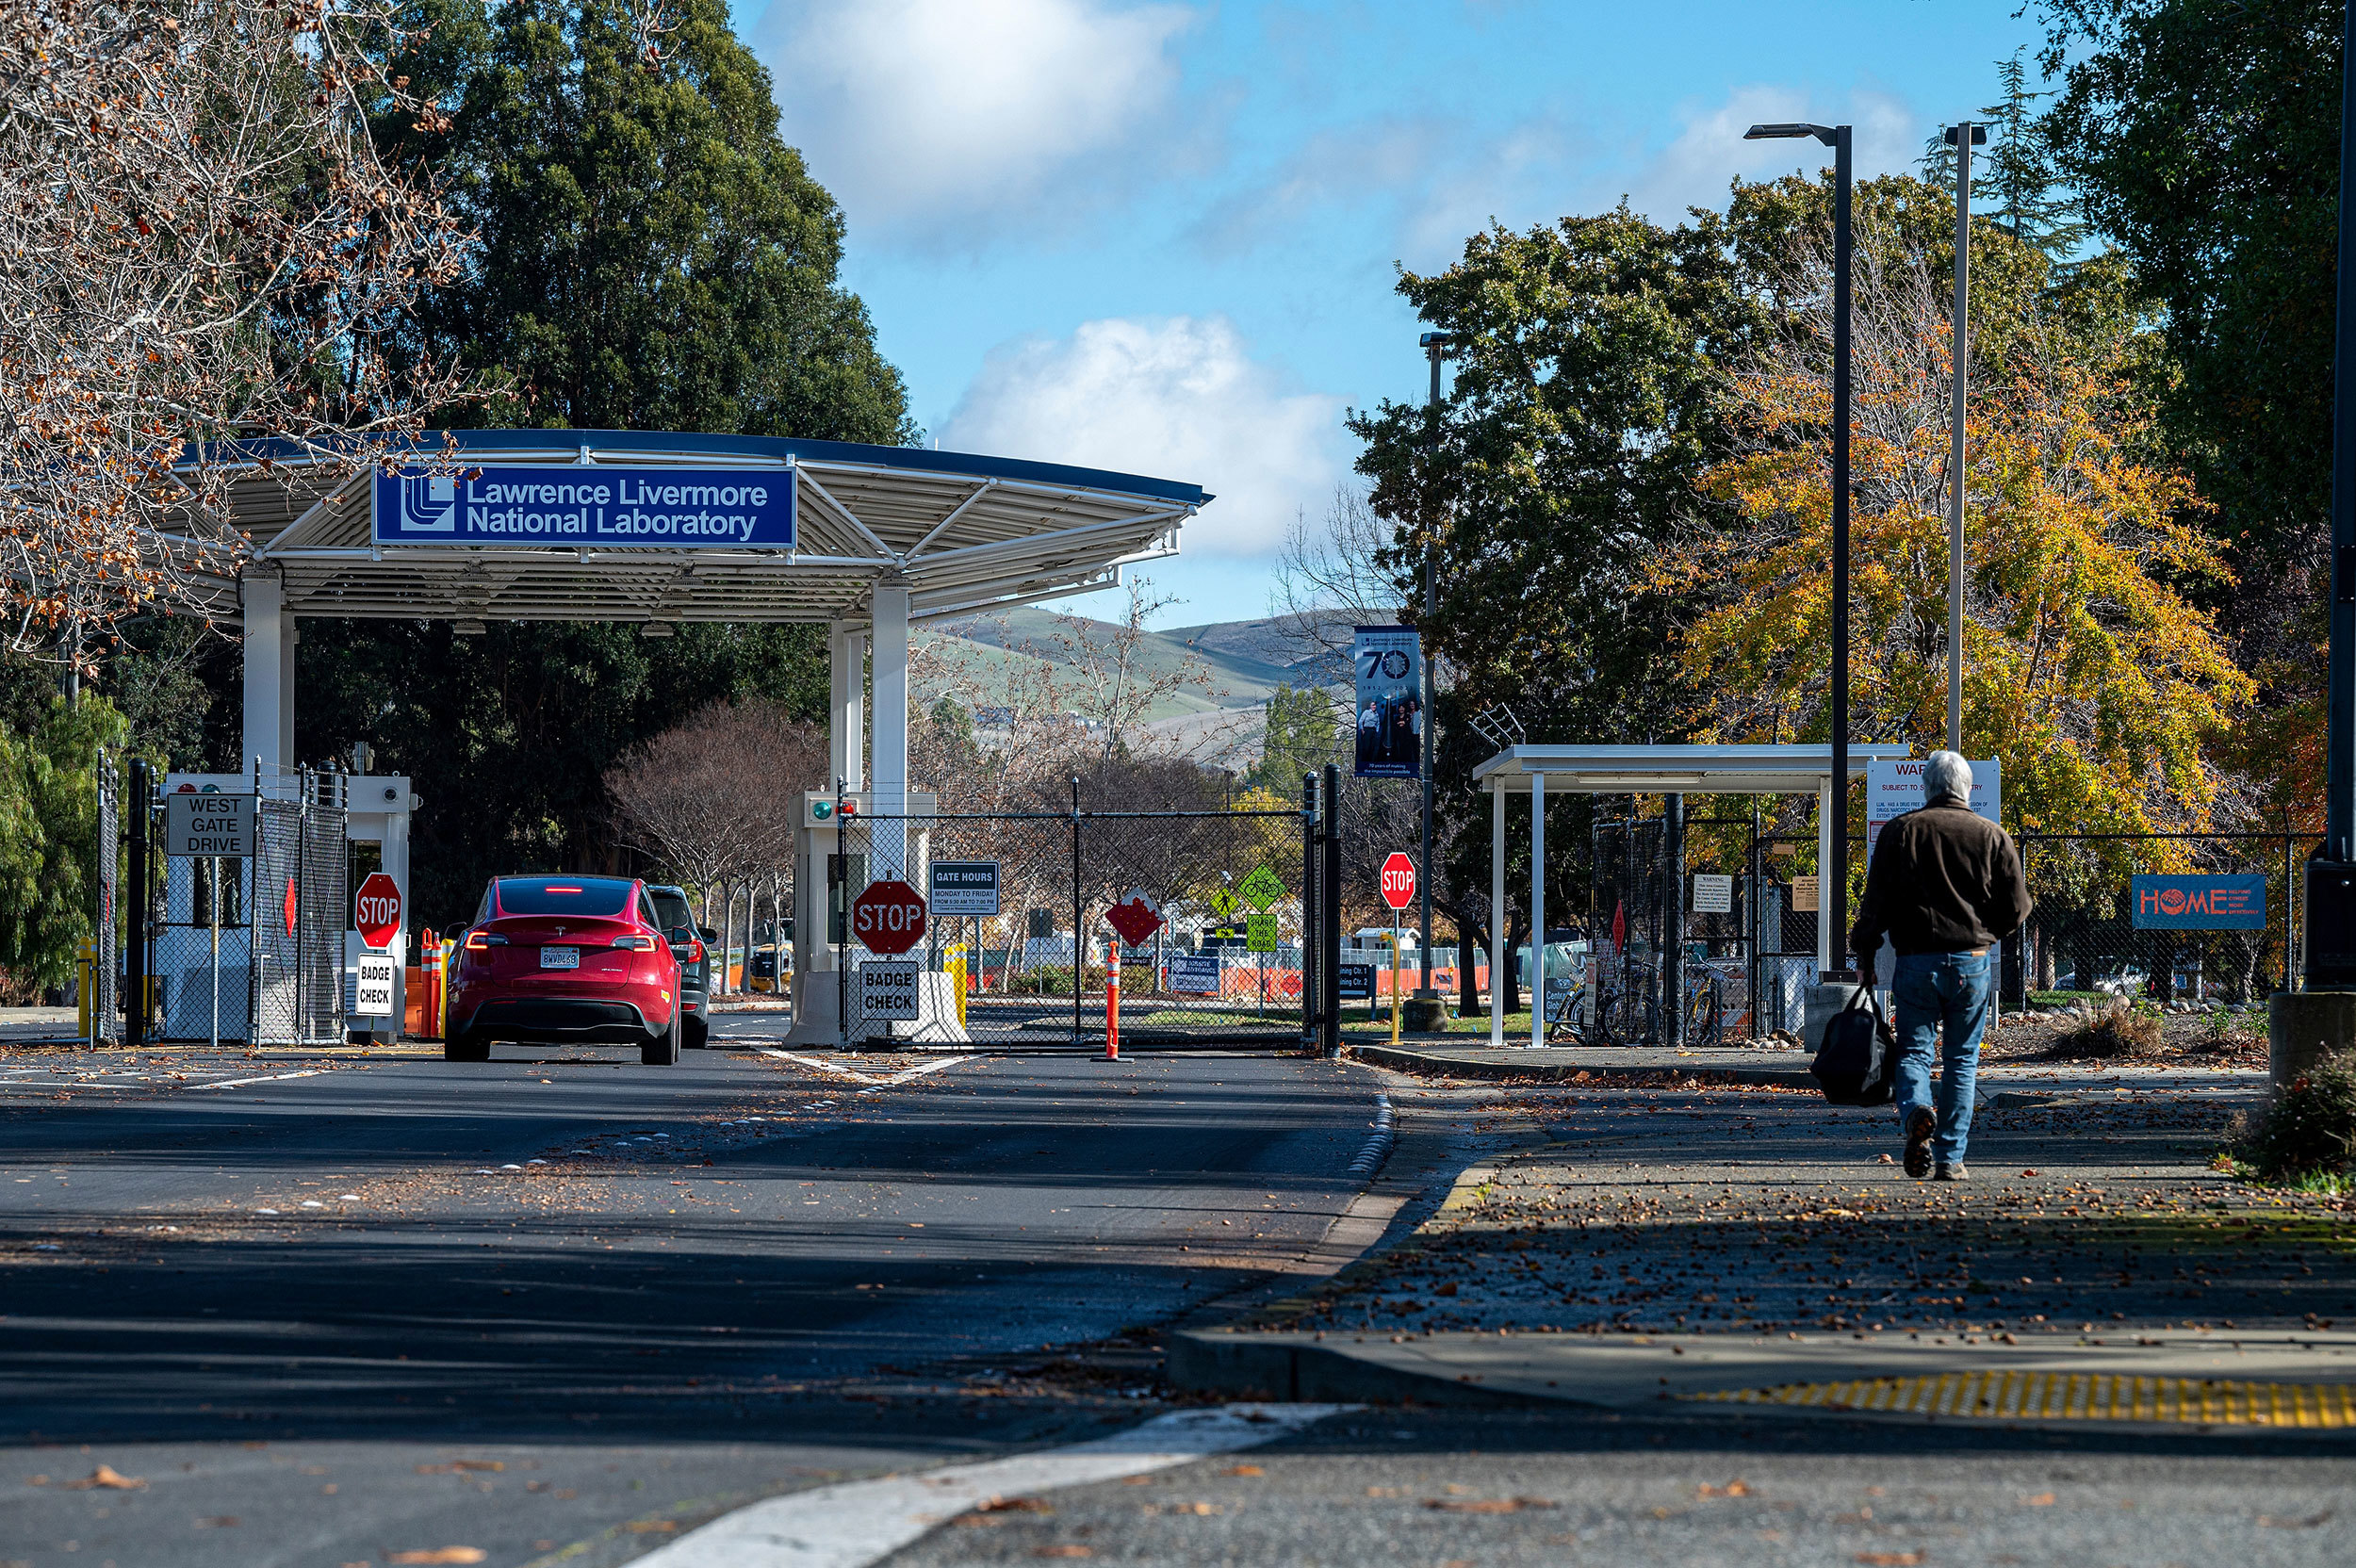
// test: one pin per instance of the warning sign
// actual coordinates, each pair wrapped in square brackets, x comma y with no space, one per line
[372,990]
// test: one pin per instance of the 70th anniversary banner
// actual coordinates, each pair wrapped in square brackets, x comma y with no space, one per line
[607,507]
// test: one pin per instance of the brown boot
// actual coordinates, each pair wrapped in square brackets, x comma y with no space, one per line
[1922,1126]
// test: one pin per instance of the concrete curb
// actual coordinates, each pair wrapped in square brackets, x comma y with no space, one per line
[1434,1064]
[1301,1370]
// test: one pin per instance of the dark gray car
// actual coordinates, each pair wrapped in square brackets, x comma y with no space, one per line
[695,960]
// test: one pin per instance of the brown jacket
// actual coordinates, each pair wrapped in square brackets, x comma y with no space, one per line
[1944,879]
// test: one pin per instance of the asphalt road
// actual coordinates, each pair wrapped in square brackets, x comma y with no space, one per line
[391,1304]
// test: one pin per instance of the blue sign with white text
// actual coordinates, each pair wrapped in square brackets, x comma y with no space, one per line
[2199,903]
[602,507]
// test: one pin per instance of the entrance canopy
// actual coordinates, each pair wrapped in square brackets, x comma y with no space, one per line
[961,532]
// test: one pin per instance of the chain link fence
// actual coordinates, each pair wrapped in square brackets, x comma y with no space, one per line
[1224,966]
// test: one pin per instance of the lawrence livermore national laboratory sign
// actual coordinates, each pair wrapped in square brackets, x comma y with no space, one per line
[607,507]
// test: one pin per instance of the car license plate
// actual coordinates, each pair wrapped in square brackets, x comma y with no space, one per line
[560,958]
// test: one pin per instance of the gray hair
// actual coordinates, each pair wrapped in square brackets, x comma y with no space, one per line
[1946,774]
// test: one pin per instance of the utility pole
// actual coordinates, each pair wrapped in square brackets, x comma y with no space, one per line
[1962,137]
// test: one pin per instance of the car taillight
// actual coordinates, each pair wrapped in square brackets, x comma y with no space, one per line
[478,940]
[695,951]
[637,944]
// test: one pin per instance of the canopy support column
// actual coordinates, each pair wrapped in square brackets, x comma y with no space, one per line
[1537,911]
[887,730]
[1496,916]
[267,705]
[846,660]
[288,638]
[1824,830]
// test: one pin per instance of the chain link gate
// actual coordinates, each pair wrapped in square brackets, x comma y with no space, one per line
[252,950]
[1223,968]
[301,872]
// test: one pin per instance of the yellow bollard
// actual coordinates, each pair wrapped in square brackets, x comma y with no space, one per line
[1394,987]
[85,971]
[957,969]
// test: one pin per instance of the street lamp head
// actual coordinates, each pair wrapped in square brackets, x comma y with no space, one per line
[1828,135]
[1438,340]
[1979,136]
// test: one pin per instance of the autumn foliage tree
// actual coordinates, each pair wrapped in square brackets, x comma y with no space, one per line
[199,243]
[2090,670]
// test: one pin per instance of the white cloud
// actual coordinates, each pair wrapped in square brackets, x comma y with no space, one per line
[1177,398]
[933,118]
[1696,169]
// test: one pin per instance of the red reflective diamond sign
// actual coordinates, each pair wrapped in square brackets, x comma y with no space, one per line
[1136,918]
[1398,881]
[376,910]
[888,918]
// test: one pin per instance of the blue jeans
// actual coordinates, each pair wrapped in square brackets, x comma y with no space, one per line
[1940,994]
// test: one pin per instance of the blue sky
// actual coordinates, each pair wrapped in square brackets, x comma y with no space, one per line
[1162,237]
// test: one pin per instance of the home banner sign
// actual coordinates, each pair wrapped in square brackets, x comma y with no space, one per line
[575,507]
[2199,903]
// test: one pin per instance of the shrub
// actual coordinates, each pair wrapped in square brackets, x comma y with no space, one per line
[2310,1127]
[2113,1027]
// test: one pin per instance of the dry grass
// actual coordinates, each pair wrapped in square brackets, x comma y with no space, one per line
[2106,1031]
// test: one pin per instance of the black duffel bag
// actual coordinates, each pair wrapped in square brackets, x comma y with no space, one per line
[1857,1062]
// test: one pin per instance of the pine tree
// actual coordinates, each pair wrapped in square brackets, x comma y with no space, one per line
[2015,168]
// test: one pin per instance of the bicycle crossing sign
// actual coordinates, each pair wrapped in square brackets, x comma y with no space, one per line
[1262,887]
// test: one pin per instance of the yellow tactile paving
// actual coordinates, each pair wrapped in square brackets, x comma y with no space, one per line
[2013,1394]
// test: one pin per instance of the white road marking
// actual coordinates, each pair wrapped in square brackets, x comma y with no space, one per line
[856,1523]
[814,1062]
[266,1078]
[877,1085]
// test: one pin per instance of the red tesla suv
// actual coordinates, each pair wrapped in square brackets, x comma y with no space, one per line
[565,960]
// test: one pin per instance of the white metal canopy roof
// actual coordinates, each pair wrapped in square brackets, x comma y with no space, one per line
[1763,770]
[964,532]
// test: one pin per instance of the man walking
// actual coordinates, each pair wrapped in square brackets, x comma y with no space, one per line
[1946,885]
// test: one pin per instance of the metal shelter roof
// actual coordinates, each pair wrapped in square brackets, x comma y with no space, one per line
[964,532]
[1765,769]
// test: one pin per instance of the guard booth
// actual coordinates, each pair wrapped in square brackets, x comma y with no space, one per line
[647,528]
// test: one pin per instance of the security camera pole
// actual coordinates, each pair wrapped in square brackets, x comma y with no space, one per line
[1833,885]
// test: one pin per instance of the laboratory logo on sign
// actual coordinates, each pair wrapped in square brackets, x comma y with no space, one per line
[429,503]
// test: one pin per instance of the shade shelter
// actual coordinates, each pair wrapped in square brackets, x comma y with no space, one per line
[654,528]
[1536,771]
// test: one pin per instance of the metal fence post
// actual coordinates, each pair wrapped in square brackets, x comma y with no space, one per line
[1329,917]
[134,917]
[1312,914]
[1079,939]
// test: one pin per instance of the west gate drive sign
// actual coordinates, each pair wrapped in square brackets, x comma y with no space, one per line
[606,506]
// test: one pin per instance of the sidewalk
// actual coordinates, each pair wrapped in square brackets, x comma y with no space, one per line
[1676,1241]
[2005,1083]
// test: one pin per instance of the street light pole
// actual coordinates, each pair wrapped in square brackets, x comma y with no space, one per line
[1436,348]
[1833,884]
[1962,137]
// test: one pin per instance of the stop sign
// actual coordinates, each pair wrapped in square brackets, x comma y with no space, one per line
[1399,880]
[888,918]
[376,910]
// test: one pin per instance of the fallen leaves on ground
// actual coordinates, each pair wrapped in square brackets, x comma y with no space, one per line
[1484,1505]
[108,1477]
[438,1555]
[650,1526]
[1889,1560]
[2043,1499]
[1735,1488]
